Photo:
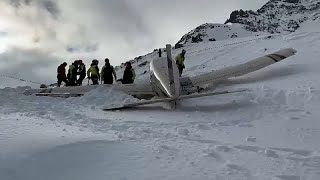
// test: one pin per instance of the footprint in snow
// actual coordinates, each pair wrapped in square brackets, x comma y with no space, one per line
[294,118]
[245,125]
[167,150]
[248,148]
[203,127]
[311,162]
[212,154]
[288,177]
[222,148]
[300,152]
[271,153]
[183,132]
[251,139]
[239,170]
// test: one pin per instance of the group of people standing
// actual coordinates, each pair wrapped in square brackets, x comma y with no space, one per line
[77,73]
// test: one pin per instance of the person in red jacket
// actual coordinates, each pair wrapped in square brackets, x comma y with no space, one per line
[61,74]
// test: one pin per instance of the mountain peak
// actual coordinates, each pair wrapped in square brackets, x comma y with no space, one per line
[277,16]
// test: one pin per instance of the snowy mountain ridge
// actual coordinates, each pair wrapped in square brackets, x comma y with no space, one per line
[278,16]
[214,32]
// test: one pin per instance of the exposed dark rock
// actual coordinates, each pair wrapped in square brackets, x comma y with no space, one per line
[292,1]
[143,64]
[277,15]
[177,46]
[234,35]
[43,86]
[197,39]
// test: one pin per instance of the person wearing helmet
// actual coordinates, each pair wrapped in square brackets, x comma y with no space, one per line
[61,74]
[81,72]
[129,74]
[107,73]
[180,61]
[72,73]
[93,72]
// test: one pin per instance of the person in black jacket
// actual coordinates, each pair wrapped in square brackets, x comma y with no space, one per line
[72,73]
[160,52]
[107,73]
[81,72]
[129,74]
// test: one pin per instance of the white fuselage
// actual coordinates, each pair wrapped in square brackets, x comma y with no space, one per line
[164,76]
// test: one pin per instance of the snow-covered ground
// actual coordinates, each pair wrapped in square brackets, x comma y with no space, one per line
[13,82]
[270,132]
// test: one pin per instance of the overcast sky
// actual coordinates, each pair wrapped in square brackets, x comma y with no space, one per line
[37,35]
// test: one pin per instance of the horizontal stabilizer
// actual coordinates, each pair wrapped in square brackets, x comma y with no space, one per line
[146,102]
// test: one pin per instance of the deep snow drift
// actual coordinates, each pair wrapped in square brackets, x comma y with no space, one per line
[270,132]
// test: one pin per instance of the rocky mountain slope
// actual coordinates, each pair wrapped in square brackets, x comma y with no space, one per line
[214,32]
[278,16]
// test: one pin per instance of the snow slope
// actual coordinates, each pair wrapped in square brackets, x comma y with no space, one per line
[221,34]
[270,132]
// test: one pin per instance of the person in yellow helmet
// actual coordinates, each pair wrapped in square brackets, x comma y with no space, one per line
[180,61]
[93,72]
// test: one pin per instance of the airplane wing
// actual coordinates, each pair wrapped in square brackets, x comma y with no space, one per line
[169,99]
[238,70]
[142,90]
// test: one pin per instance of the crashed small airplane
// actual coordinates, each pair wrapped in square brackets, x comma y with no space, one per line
[165,83]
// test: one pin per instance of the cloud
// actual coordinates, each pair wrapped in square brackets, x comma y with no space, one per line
[47,32]
[2,33]
[29,64]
